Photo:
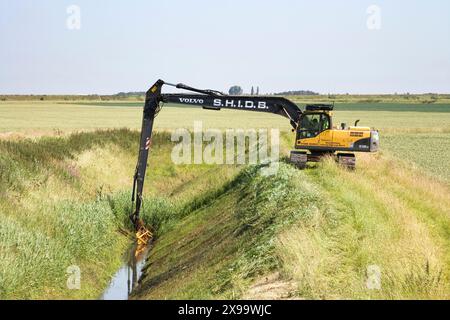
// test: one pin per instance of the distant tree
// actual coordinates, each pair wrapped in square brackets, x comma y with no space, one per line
[298,93]
[235,90]
[122,95]
[253,91]
[257,90]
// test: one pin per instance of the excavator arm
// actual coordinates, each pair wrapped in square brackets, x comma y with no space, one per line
[216,101]
[208,99]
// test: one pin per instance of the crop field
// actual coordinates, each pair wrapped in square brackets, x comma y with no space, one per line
[429,151]
[66,168]
[410,131]
[37,117]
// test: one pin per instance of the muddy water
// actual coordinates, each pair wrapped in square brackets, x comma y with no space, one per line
[127,277]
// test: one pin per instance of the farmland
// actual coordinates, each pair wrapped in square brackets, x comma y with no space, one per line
[43,117]
[401,125]
[65,188]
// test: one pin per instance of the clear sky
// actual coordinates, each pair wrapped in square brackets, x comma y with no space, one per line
[322,45]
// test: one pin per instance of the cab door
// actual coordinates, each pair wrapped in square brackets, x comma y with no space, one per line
[326,134]
[308,130]
[314,130]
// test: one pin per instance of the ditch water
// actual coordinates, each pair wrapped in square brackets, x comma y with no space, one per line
[126,278]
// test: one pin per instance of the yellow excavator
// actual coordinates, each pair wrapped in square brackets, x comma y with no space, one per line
[316,135]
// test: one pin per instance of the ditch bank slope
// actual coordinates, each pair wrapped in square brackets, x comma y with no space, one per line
[381,231]
[55,215]
[64,205]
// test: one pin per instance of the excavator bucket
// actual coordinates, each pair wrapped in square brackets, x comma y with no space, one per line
[143,237]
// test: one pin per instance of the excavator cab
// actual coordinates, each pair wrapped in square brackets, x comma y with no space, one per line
[312,124]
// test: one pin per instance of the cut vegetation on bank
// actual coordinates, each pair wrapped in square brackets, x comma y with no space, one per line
[318,230]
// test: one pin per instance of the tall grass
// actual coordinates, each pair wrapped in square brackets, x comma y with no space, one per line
[34,259]
[64,199]
[54,214]
[321,229]
[369,217]
[41,235]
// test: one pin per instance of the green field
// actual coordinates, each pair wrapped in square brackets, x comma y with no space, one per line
[33,117]
[223,230]
[410,131]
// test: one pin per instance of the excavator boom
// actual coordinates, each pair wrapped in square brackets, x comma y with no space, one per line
[275,105]
[208,99]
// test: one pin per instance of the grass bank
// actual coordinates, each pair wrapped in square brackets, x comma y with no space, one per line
[385,215]
[51,220]
[63,201]
[313,234]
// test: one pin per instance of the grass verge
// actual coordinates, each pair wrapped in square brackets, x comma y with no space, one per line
[322,230]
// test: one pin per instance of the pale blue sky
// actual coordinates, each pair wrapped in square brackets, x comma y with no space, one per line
[322,45]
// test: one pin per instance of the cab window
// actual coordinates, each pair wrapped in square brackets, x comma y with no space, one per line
[312,124]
